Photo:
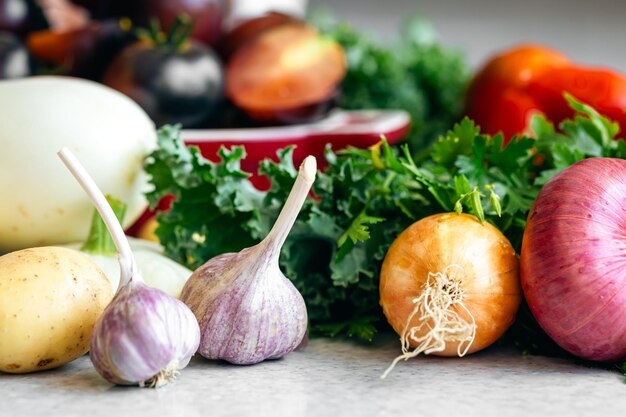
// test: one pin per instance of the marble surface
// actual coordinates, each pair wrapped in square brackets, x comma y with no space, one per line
[332,378]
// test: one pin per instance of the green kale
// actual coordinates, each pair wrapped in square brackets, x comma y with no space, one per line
[414,73]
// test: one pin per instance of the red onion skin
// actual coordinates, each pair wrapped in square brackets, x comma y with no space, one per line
[573,259]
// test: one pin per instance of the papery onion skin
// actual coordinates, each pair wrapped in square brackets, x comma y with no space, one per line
[143,332]
[573,259]
[491,286]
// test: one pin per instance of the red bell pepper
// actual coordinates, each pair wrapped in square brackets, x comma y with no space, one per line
[498,98]
[602,89]
[529,79]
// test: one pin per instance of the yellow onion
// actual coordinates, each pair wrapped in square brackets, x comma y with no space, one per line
[449,286]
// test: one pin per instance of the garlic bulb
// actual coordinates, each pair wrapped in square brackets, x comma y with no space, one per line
[145,336]
[247,309]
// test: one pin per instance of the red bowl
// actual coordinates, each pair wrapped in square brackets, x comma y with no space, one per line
[342,128]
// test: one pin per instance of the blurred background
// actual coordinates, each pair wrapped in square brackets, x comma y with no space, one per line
[592,32]
[251,63]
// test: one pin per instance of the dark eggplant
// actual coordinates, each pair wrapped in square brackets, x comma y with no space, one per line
[175,80]
[84,52]
[15,61]
[20,17]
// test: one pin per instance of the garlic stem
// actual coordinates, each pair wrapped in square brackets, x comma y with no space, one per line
[287,217]
[128,265]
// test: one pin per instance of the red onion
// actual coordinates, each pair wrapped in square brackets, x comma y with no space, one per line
[573,259]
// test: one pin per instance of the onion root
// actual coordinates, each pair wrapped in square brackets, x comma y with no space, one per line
[438,319]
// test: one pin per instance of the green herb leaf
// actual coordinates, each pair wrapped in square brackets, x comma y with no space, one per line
[357,232]
[462,185]
[494,199]
[415,73]
[365,199]
[477,206]
[99,240]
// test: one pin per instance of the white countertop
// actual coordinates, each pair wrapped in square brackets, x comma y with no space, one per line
[332,378]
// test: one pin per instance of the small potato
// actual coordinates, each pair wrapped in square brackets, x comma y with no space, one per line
[50,299]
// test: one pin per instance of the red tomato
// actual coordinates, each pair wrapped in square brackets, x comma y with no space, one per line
[497,98]
[508,113]
[603,89]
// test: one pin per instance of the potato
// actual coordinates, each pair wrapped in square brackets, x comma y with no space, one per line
[50,299]
[41,203]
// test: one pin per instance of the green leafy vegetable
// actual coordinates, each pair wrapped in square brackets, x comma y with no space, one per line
[414,73]
[366,197]
[622,368]
[99,240]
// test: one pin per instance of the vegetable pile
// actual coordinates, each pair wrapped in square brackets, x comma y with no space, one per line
[238,307]
[197,64]
[367,197]
[460,238]
[181,61]
[145,336]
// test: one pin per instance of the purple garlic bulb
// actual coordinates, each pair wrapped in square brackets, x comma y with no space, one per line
[247,309]
[144,337]
[245,316]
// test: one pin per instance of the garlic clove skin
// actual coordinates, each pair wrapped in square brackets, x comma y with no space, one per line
[144,337]
[248,312]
